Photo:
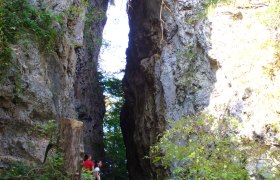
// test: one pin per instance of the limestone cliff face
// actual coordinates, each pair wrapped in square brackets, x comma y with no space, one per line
[88,92]
[214,61]
[43,89]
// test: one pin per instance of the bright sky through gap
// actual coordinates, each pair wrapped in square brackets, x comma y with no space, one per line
[113,58]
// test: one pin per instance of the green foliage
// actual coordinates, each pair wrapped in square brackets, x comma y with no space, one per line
[84,3]
[17,169]
[268,167]
[271,69]
[113,86]
[48,130]
[275,127]
[201,13]
[188,53]
[93,17]
[74,12]
[186,62]
[19,19]
[114,145]
[5,50]
[193,19]
[86,175]
[208,3]
[52,169]
[200,147]
[271,16]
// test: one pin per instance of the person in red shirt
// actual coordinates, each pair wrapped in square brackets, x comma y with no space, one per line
[88,164]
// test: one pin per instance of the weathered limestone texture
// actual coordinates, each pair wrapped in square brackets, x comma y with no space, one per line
[88,92]
[45,86]
[71,132]
[208,60]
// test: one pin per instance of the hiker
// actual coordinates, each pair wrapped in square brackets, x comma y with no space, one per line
[88,164]
[98,165]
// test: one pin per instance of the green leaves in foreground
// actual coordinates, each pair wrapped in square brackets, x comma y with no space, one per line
[52,169]
[201,147]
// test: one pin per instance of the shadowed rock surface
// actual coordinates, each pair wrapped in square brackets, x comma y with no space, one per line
[88,92]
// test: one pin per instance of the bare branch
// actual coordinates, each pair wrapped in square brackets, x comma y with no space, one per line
[163,5]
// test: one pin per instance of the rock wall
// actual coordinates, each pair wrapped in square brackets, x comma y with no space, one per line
[142,116]
[88,92]
[185,57]
[46,87]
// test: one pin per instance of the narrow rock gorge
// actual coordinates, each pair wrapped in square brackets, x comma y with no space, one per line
[187,57]
[184,57]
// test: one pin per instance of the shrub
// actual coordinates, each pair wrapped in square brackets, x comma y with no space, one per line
[200,147]
[86,175]
[52,169]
